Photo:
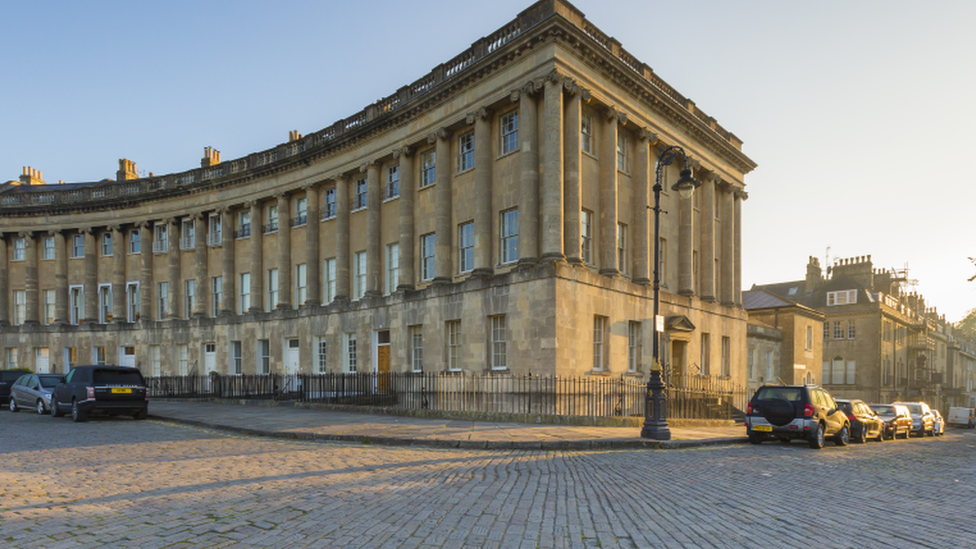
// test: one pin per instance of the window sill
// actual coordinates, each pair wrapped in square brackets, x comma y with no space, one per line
[427,186]
[391,198]
[590,154]
[464,171]
[599,373]
[509,153]
[359,209]
[324,219]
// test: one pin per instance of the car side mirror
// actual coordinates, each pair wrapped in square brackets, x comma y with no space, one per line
[62,380]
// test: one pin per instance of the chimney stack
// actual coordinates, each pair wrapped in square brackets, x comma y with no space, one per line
[31,177]
[294,136]
[127,170]
[211,157]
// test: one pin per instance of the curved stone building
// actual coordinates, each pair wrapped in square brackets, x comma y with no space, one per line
[491,216]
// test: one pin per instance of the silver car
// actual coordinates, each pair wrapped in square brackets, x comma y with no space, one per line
[33,391]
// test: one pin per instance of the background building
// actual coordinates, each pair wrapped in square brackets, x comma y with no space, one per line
[490,216]
[800,357]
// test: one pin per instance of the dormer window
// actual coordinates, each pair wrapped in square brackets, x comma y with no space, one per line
[843,297]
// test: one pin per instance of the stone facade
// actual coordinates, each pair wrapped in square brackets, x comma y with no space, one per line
[800,328]
[491,216]
[881,343]
[764,350]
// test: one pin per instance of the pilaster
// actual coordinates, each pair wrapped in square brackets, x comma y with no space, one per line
[483,241]
[642,167]
[175,281]
[313,290]
[528,174]
[4,283]
[552,170]
[256,262]
[728,246]
[708,190]
[443,220]
[202,301]
[146,272]
[571,165]
[406,218]
[608,192]
[228,276]
[342,238]
[91,276]
[374,198]
[31,277]
[118,275]
[60,279]
[284,253]
[739,197]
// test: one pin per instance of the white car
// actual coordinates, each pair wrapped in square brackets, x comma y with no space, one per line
[939,428]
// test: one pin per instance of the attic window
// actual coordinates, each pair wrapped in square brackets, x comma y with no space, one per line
[793,290]
[843,297]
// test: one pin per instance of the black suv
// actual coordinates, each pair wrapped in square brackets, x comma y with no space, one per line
[111,389]
[7,379]
[796,411]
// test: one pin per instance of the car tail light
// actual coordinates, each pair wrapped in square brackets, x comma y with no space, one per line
[808,410]
[91,392]
[851,417]
[749,408]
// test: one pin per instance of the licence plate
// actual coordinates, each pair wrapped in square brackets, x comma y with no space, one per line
[122,391]
[762,428]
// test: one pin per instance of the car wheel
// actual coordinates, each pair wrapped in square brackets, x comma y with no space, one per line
[55,411]
[144,413]
[40,407]
[13,405]
[863,437]
[817,438]
[77,414]
[843,437]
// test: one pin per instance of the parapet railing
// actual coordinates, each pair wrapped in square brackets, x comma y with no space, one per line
[123,191]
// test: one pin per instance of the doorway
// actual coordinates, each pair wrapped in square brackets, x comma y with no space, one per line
[383,361]
[42,361]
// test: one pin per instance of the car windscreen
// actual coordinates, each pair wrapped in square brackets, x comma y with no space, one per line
[10,376]
[914,408]
[884,410]
[117,377]
[791,394]
[48,381]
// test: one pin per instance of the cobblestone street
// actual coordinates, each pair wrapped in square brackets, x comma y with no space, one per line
[122,483]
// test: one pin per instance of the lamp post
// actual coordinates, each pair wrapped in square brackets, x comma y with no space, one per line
[655,403]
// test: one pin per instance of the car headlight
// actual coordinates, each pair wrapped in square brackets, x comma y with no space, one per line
[47,397]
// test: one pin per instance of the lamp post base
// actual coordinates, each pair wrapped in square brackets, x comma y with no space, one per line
[655,410]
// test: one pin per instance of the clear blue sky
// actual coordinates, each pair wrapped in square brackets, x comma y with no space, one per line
[860,114]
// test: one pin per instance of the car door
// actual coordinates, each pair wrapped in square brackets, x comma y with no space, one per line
[15,390]
[61,392]
[835,416]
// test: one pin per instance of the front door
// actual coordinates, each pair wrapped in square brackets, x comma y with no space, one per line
[127,356]
[679,353]
[42,362]
[209,358]
[291,356]
[383,361]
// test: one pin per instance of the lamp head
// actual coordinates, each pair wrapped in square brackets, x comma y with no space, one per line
[686,184]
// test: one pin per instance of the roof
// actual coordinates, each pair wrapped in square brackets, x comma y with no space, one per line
[762,299]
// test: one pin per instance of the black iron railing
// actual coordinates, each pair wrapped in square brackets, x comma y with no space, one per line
[697,398]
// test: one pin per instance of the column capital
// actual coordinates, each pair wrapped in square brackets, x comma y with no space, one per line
[645,135]
[225,209]
[365,166]
[26,234]
[52,232]
[115,228]
[278,195]
[554,77]
[483,113]
[87,230]
[434,136]
[740,194]
[611,113]
[170,221]
[251,203]
[402,151]
[144,224]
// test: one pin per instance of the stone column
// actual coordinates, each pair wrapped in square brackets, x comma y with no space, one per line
[31,275]
[483,161]
[573,202]
[608,193]
[4,283]
[528,176]
[229,297]
[313,290]
[740,195]
[342,238]
[118,275]
[91,276]
[60,279]
[256,261]
[443,222]
[202,300]
[642,174]
[173,256]
[374,197]
[686,246]
[406,218]
[728,246]
[552,170]
[284,252]
[146,271]
[707,290]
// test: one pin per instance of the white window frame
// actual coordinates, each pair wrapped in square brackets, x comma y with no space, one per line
[135,241]
[586,133]
[77,246]
[99,356]
[599,343]
[622,247]
[705,365]
[244,295]
[264,357]
[498,342]
[393,182]
[359,275]
[634,346]
[416,334]
[428,248]
[160,238]
[188,231]
[428,168]
[76,304]
[20,307]
[301,284]
[453,338]
[841,297]
[350,353]
[301,211]
[508,126]
[271,294]
[243,224]
[508,236]
[189,296]
[586,236]
[182,360]
[329,210]
[107,244]
[329,287]
[20,249]
[466,247]
[622,144]
[155,361]
[321,354]
[162,299]
[48,306]
[235,365]
[465,154]
[392,267]
[216,293]
[133,301]
[47,247]
[11,358]
[271,217]
[360,195]
[215,230]
[105,309]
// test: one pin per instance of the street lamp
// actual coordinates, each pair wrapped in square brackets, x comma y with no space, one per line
[655,403]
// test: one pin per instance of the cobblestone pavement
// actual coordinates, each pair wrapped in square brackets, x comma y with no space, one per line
[125,483]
